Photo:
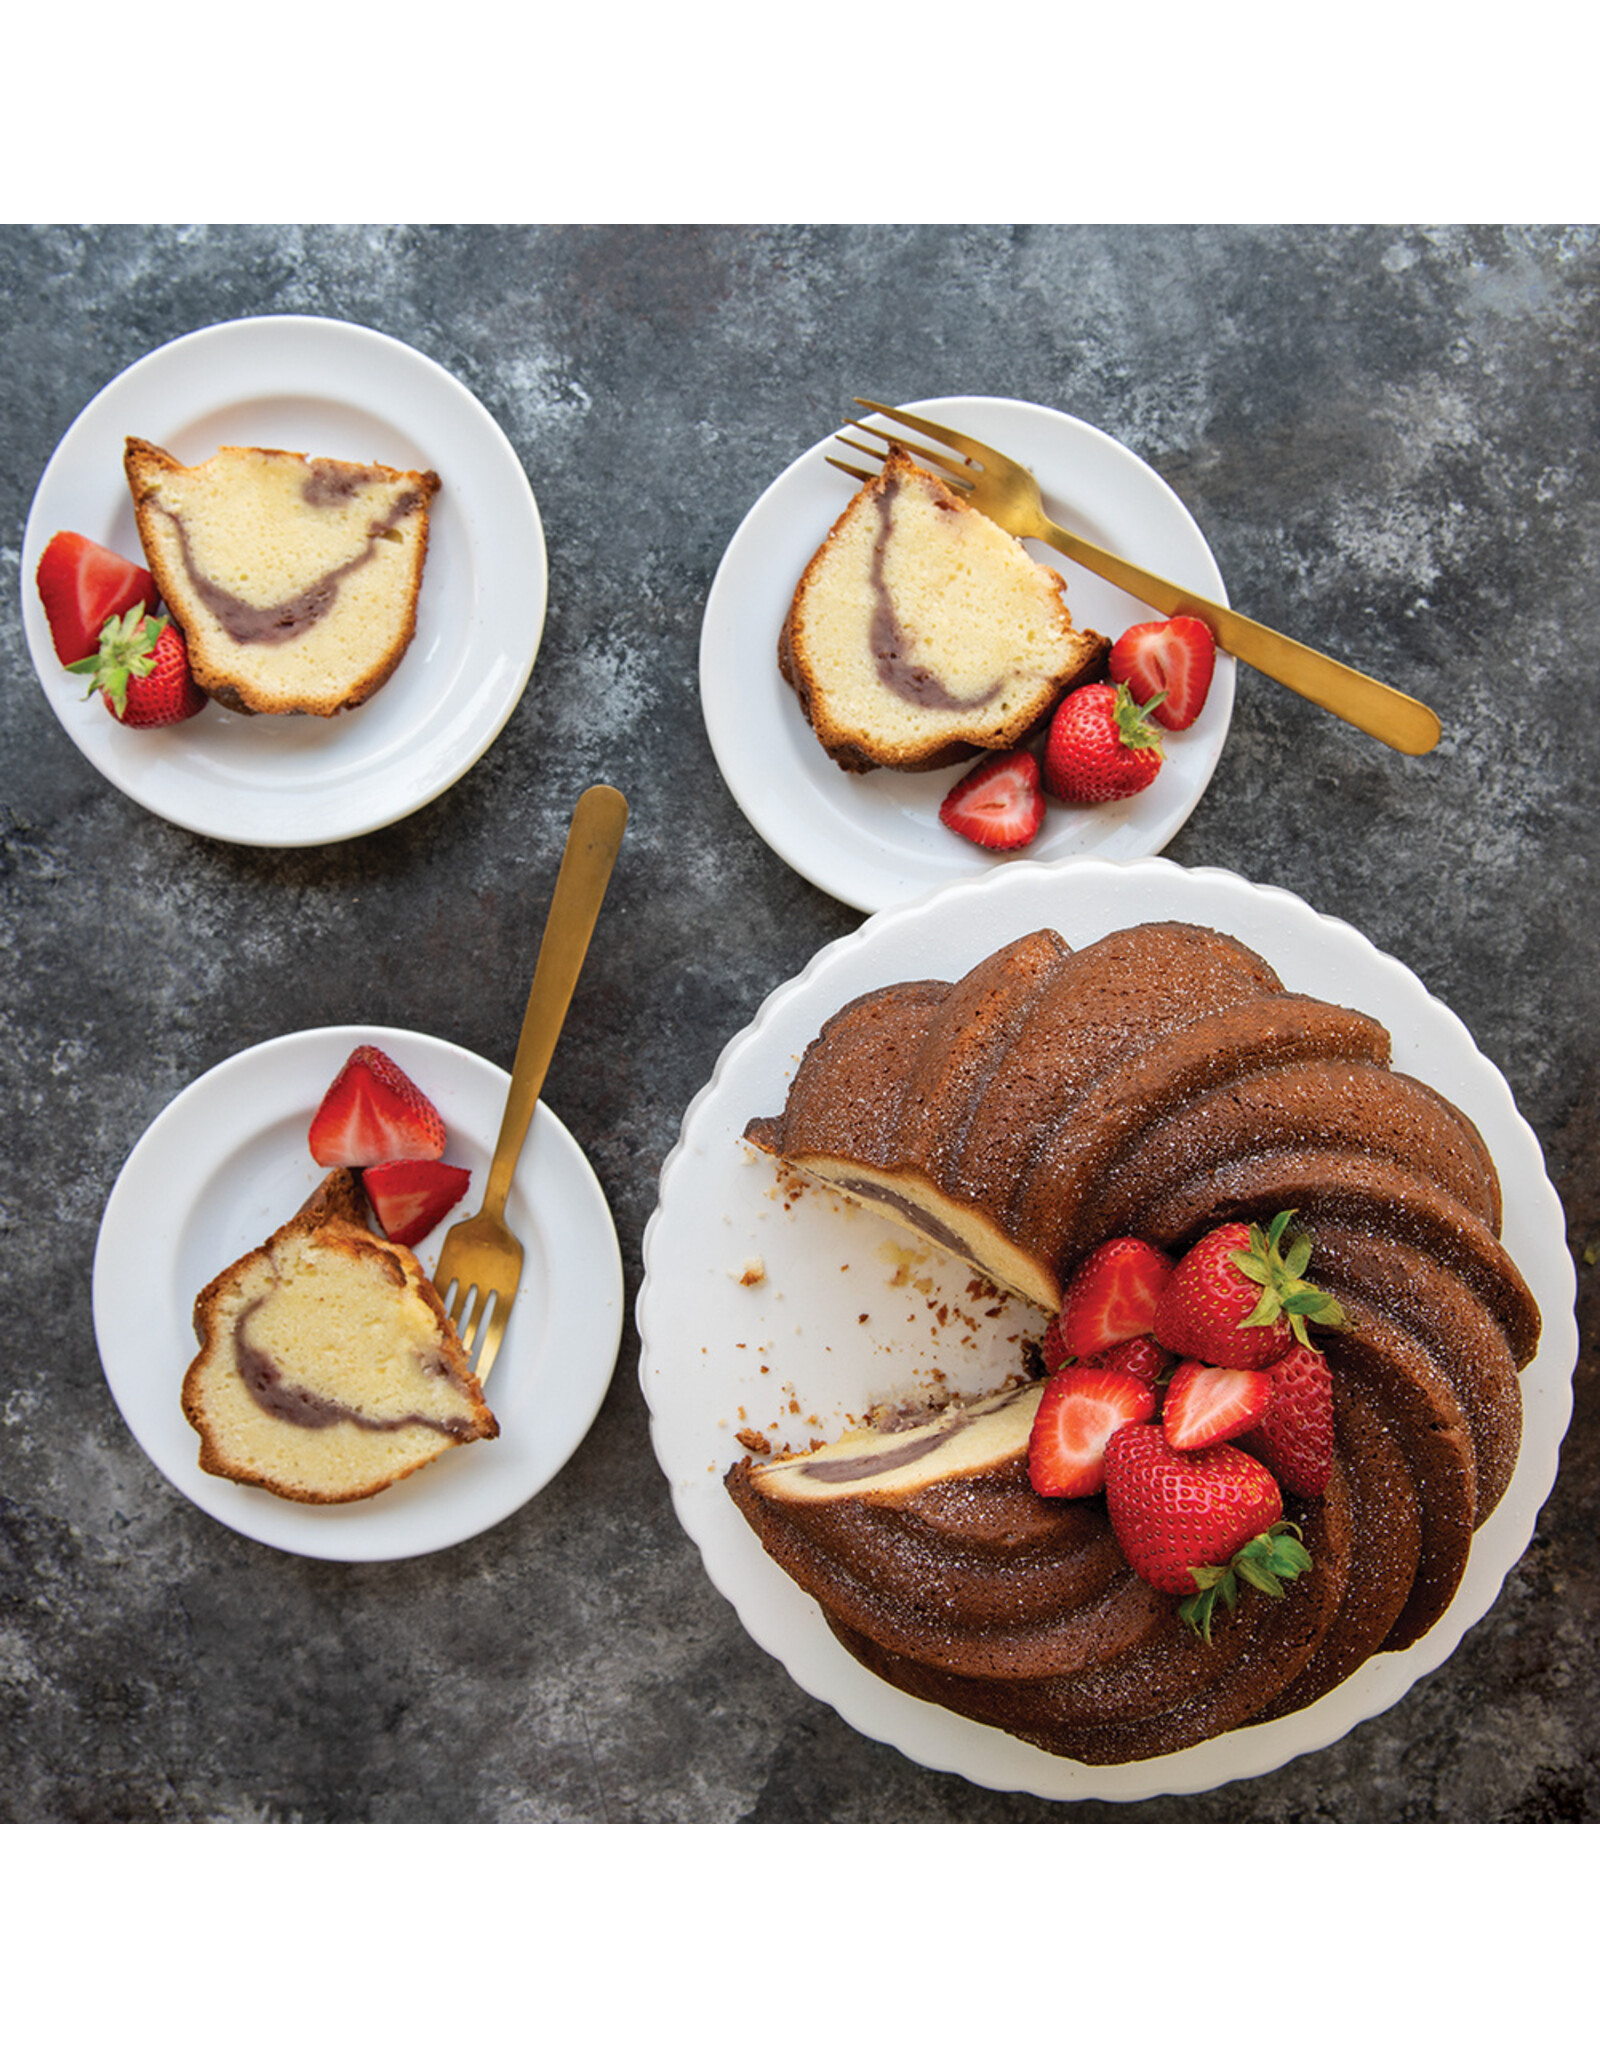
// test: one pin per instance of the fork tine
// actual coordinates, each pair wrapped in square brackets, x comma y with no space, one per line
[862,476]
[491,1339]
[463,1310]
[974,451]
[945,462]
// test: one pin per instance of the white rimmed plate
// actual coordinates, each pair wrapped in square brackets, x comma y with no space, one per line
[326,388]
[875,840]
[226,1162]
[833,1323]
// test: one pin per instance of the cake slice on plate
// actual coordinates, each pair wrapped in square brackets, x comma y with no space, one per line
[293,580]
[922,633]
[327,1367]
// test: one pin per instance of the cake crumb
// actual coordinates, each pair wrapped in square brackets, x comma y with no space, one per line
[754,1273]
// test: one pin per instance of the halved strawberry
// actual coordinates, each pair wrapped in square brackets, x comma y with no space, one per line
[999,804]
[1080,1411]
[1294,1439]
[81,585]
[374,1112]
[1113,1295]
[409,1196]
[1207,1404]
[1173,656]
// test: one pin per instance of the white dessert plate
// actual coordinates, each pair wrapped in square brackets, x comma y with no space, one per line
[875,840]
[323,387]
[784,1312]
[227,1161]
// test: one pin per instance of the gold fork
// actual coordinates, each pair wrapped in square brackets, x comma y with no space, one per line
[1008,494]
[481,1262]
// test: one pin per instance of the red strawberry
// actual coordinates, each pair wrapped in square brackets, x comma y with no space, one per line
[1207,1404]
[1196,1522]
[999,804]
[1240,1297]
[1080,1410]
[1112,1295]
[81,585]
[1295,1437]
[1101,746]
[409,1196]
[1141,1356]
[142,672]
[372,1113]
[1172,658]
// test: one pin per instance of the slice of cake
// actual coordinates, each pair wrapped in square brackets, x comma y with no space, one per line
[293,581]
[328,1368]
[921,633]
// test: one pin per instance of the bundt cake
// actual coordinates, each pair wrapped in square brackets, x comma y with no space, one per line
[1156,1083]
[921,633]
[327,1367]
[293,580]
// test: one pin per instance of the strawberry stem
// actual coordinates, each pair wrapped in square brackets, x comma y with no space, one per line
[1279,1271]
[1269,1562]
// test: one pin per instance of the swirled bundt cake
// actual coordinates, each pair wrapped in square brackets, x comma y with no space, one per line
[327,1367]
[293,580]
[1159,1083]
[922,633]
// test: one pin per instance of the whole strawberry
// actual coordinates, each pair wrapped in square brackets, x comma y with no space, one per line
[1294,1438]
[1240,1297]
[141,670]
[1102,746]
[1197,1522]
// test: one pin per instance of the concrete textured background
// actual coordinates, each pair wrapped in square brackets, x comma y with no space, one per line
[1389,437]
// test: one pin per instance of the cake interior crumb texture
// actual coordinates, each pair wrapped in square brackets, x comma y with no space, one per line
[921,632]
[294,580]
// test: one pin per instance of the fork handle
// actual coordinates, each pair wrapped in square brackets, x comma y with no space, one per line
[1389,715]
[593,839]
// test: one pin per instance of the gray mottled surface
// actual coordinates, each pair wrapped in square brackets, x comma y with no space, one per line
[1390,439]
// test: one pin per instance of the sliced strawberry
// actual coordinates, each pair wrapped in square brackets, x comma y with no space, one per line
[1171,658]
[409,1196]
[1113,1295]
[374,1112]
[1295,1437]
[1080,1411]
[1207,1404]
[81,585]
[999,804]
